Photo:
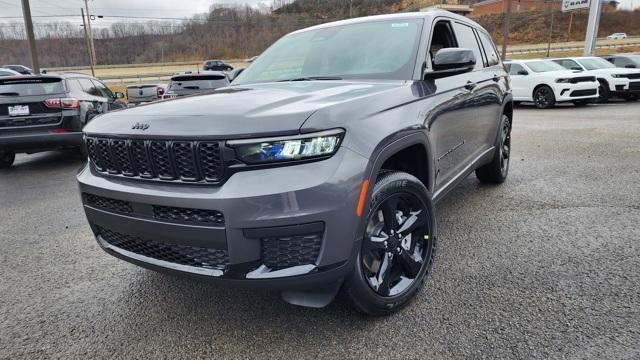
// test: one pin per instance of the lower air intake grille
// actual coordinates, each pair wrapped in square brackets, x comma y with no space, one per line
[285,252]
[635,86]
[177,254]
[187,215]
[584,92]
[104,203]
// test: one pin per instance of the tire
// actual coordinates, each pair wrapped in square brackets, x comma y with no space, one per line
[497,170]
[408,259]
[603,92]
[6,159]
[580,103]
[543,97]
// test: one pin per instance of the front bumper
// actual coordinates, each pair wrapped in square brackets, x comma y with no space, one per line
[577,91]
[285,227]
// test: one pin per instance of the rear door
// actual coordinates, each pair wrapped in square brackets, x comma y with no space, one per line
[23,102]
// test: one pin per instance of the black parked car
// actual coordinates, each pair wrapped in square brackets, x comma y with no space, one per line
[39,113]
[216,65]
[189,84]
[316,169]
[19,68]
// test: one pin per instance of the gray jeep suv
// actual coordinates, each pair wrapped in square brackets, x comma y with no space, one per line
[316,170]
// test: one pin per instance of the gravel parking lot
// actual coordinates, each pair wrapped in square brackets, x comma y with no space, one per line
[545,266]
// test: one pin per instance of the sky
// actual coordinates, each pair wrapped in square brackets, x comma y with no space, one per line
[143,8]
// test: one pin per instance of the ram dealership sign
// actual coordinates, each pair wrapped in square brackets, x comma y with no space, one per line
[570,5]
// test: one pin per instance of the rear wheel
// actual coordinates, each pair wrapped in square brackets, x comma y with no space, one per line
[398,246]
[543,97]
[497,170]
[6,158]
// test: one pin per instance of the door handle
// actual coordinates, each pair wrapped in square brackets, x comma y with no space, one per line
[470,86]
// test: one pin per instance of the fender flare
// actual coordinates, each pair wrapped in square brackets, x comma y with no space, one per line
[383,152]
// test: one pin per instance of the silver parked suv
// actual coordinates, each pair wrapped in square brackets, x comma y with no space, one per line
[316,170]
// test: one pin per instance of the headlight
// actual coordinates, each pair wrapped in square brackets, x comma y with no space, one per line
[563,80]
[289,148]
[618,76]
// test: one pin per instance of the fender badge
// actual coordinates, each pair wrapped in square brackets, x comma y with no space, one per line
[140,126]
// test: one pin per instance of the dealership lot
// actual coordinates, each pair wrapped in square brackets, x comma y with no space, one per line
[545,265]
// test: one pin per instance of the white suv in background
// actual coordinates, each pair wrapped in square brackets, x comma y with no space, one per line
[546,83]
[617,36]
[614,81]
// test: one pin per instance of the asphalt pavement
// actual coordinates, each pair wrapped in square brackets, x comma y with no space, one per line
[546,265]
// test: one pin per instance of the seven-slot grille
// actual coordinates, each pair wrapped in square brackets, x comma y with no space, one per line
[579,79]
[168,160]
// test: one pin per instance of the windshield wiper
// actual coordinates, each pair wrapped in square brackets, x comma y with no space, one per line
[310,78]
[9,94]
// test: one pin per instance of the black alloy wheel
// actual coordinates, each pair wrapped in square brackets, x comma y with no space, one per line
[397,248]
[543,97]
[396,245]
[505,147]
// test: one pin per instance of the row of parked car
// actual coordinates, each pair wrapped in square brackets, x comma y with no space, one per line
[579,80]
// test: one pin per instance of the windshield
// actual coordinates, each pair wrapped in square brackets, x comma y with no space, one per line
[595,63]
[198,82]
[371,50]
[544,66]
[31,86]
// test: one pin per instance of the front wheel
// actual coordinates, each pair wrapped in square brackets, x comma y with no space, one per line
[603,92]
[6,158]
[398,246]
[543,97]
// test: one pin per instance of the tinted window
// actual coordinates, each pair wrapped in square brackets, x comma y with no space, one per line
[31,86]
[103,90]
[371,50]
[442,38]
[514,69]
[198,82]
[568,64]
[467,39]
[89,87]
[595,63]
[623,61]
[489,49]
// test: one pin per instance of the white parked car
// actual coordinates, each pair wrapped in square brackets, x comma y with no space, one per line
[546,83]
[614,81]
[617,36]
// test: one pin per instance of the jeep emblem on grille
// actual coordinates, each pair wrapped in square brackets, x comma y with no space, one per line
[140,126]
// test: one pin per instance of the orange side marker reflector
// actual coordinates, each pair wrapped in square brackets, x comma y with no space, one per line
[362,198]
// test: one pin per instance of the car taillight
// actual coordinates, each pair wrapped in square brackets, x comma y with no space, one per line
[160,92]
[64,103]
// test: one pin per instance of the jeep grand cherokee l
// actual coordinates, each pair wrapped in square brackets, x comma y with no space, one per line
[316,170]
[39,113]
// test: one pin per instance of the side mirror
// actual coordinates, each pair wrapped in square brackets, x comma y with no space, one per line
[234,73]
[119,95]
[630,66]
[523,72]
[451,61]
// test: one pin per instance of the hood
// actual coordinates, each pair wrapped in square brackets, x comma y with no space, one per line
[616,71]
[238,111]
